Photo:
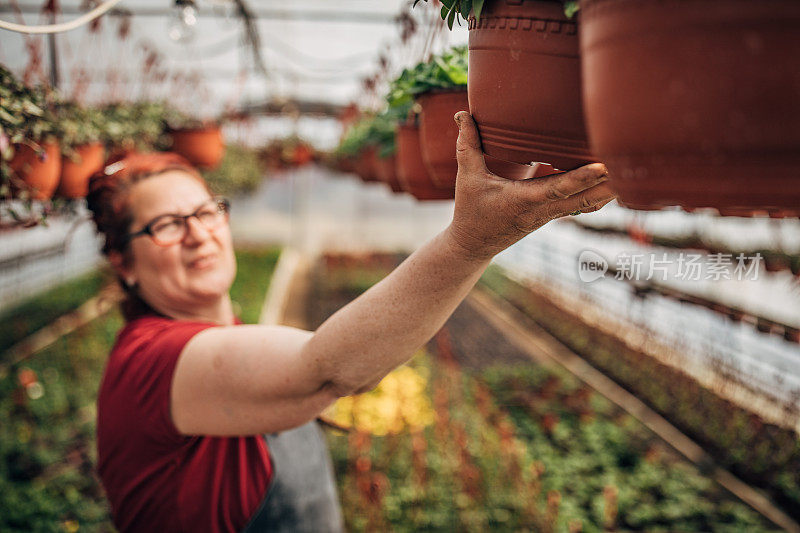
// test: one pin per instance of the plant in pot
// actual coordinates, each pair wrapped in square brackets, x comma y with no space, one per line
[439,86]
[31,158]
[525,80]
[382,135]
[200,142]
[82,148]
[134,127]
[694,103]
[240,172]
[355,144]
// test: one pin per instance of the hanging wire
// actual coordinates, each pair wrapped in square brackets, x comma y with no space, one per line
[59,28]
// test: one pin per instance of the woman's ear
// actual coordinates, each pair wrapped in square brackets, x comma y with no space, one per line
[122,268]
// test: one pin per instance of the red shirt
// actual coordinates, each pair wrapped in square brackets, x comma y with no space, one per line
[155,478]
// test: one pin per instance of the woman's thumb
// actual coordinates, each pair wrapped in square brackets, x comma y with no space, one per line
[468,145]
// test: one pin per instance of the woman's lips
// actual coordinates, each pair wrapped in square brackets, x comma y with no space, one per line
[202,263]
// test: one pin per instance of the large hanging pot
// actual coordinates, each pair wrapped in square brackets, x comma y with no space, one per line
[411,170]
[387,172]
[40,174]
[525,83]
[75,173]
[695,102]
[438,133]
[203,147]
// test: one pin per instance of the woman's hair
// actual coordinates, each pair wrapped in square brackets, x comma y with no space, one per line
[109,202]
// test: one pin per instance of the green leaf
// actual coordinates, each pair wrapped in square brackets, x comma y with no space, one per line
[451,17]
[466,6]
[445,9]
[477,7]
[571,7]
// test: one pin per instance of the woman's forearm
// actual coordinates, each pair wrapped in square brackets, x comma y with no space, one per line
[358,345]
[383,327]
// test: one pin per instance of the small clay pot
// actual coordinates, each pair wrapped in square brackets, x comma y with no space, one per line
[387,172]
[694,103]
[75,173]
[202,147]
[40,174]
[439,132]
[525,83]
[367,164]
[411,170]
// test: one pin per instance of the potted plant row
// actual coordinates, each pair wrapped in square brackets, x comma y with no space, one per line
[689,103]
[52,146]
[439,86]
[31,157]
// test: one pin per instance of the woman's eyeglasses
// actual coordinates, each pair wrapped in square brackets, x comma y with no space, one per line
[167,230]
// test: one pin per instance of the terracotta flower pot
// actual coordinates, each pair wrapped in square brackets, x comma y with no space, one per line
[517,171]
[525,83]
[387,172]
[75,174]
[367,164]
[694,103]
[411,170]
[39,174]
[203,147]
[438,133]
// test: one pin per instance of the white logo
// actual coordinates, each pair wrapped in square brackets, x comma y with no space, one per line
[591,266]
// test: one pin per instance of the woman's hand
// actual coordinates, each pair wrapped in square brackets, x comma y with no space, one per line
[492,212]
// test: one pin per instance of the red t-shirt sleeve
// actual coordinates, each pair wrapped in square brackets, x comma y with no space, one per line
[149,375]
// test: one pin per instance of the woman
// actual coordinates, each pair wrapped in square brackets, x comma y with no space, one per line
[204,424]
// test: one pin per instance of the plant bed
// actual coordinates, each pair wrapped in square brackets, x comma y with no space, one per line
[438,448]
[525,83]
[763,454]
[29,316]
[693,103]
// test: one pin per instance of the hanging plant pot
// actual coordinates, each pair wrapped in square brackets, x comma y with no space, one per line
[75,173]
[517,171]
[367,164]
[411,170]
[524,82]
[387,172]
[438,133]
[203,147]
[40,173]
[694,103]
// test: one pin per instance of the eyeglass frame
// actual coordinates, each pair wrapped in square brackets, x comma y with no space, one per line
[148,228]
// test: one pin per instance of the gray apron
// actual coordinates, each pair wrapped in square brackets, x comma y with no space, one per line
[302,496]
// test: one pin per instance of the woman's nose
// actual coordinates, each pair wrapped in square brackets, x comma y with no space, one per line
[196,231]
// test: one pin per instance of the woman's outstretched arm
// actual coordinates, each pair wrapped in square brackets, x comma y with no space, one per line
[255,379]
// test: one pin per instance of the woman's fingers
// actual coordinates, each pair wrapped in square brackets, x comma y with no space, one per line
[585,201]
[561,186]
[468,146]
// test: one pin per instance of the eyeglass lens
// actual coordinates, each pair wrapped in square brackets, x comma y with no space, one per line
[172,229]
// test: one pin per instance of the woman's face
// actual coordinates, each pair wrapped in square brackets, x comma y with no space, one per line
[187,276]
